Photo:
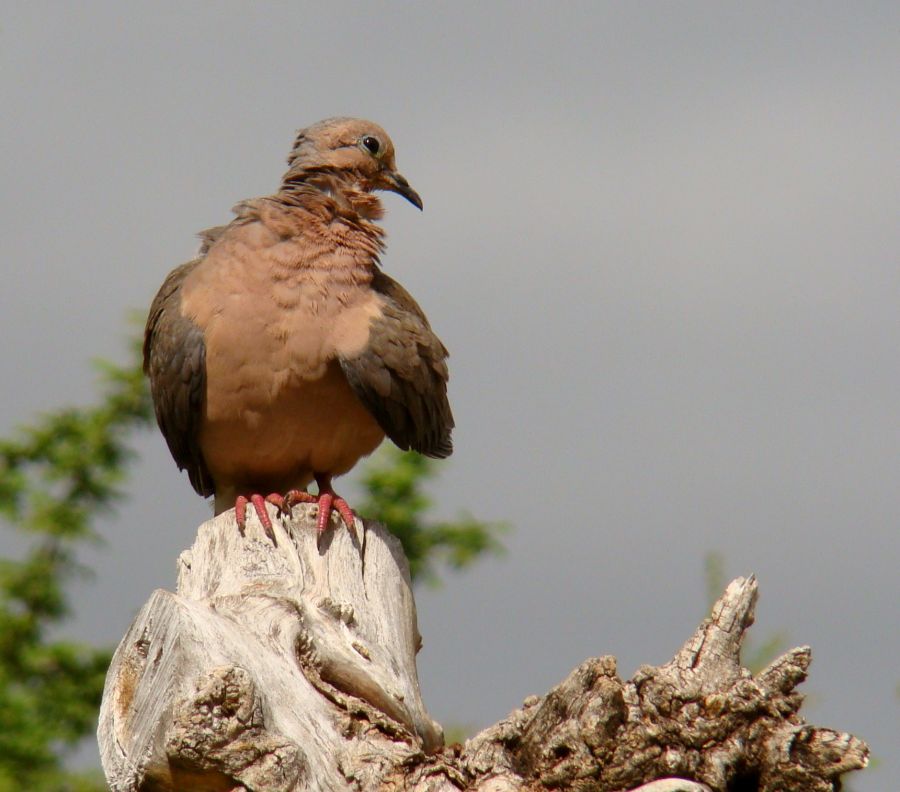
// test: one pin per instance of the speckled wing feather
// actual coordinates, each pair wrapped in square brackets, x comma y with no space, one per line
[175,362]
[401,375]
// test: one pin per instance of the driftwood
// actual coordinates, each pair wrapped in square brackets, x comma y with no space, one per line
[290,665]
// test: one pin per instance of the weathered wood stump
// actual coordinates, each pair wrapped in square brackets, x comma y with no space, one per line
[290,665]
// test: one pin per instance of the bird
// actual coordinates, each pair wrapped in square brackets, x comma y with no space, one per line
[282,353]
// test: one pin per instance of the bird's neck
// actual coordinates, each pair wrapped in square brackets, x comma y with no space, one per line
[348,191]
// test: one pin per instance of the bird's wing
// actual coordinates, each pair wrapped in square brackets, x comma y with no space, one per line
[175,362]
[401,374]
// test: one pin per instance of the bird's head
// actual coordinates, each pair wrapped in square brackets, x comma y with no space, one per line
[349,148]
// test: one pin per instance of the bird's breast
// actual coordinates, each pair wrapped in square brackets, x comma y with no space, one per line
[274,312]
[273,335]
[310,426]
[258,346]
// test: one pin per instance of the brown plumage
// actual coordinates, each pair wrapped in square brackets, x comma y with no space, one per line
[282,354]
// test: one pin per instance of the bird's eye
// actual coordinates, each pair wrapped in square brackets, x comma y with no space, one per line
[372,145]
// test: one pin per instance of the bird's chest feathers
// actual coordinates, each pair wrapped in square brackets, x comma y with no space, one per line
[271,332]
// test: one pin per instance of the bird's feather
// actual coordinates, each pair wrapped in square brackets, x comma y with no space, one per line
[175,362]
[401,375]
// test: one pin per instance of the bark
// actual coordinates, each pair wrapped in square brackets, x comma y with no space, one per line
[290,665]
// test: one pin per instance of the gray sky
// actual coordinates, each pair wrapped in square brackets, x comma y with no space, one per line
[659,239]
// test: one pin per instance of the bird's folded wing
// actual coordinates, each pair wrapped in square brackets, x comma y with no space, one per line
[401,374]
[175,362]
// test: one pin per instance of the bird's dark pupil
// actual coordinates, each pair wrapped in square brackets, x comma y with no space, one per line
[371,144]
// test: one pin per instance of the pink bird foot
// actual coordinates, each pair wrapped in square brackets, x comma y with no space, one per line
[291,498]
[329,502]
[259,505]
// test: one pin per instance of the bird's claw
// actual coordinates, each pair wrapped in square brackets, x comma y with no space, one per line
[259,506]
[327,503]
[291,498]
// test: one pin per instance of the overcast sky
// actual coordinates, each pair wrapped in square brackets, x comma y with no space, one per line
[659,239]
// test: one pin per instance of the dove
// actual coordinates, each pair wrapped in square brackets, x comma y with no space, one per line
[283,354]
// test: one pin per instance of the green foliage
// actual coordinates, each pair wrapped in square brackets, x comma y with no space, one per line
[54,781]
[394,482]
[56,476]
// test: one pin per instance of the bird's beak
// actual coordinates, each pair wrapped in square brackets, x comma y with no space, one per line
[398,184]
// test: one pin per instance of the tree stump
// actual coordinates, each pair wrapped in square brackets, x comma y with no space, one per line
[289,665]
